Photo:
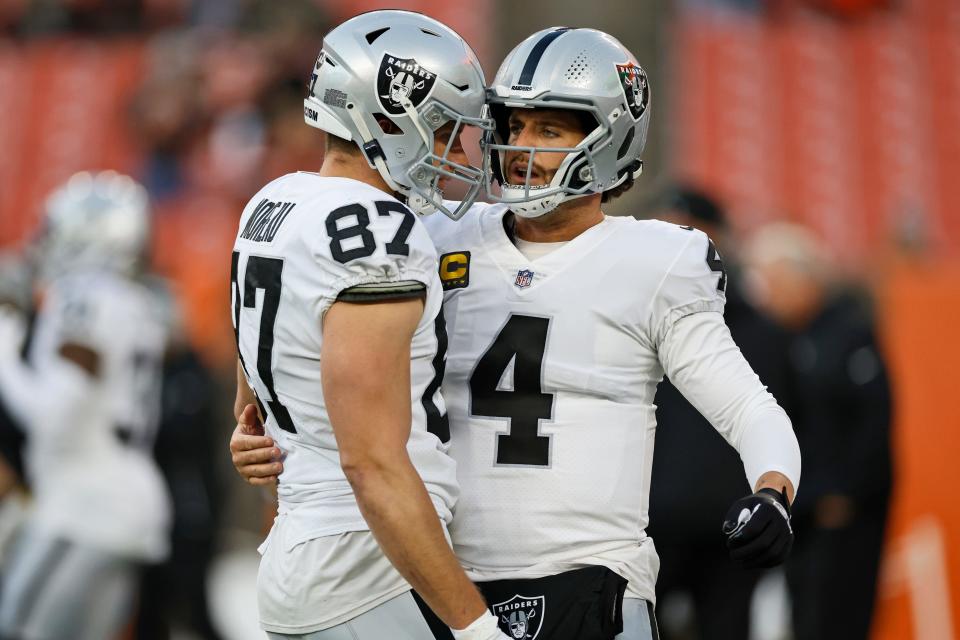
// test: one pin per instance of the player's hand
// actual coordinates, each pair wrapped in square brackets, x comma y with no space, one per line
[483,628]
[254,455]
[758,529]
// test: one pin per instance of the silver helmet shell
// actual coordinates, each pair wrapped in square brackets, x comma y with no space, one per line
[580,69]
[414,71]
[94,220]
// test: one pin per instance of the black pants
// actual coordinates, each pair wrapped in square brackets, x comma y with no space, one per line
[832,575]
[582,604]
[721,591]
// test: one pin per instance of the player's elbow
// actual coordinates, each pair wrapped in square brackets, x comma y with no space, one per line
[367,470]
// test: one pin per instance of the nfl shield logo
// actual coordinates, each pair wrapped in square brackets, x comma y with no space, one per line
[520,617]
[524,278]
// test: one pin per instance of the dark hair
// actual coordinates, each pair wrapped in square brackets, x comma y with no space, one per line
[617,191]
[623,187]
[336,143]
[694,203]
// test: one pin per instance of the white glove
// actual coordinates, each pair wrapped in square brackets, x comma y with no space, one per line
[483,628]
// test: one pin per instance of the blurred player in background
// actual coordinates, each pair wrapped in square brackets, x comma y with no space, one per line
[561,322]
[336,305]
[87,397]
[16,294]
[840,396]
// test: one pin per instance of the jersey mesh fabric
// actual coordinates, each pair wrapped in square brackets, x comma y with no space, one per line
[336,234]
[580,331]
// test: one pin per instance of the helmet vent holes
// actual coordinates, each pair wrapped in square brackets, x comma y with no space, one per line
[373,35]
[578,73]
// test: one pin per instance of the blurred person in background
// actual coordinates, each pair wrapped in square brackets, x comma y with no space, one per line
[343,352]
[88,400]
[551,418]
[685,510]
[16,297]
[839,398]
[174,593]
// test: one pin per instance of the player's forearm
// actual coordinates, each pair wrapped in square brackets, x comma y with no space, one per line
[770,451]
[776,481]
[395,504]
[705,364]
[244,393]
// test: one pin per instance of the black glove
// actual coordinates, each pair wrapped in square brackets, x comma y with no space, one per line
[758,531]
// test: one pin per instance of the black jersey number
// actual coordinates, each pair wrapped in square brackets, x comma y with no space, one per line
[360,229]
[261,273]
[715,262]
[437,423]
[522,340]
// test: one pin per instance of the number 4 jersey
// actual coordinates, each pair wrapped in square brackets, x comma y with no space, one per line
[551,374]
[304,242]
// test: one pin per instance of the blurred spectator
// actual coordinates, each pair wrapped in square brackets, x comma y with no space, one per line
[90,17]
[174,594]
[840,406]
[686,508]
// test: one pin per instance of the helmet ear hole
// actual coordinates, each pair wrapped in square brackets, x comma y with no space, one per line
[387,125]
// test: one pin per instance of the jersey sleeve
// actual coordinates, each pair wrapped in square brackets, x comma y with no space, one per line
[693,283]
[370,251]
[701,359]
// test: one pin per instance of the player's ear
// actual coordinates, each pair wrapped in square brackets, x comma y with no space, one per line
[389,126]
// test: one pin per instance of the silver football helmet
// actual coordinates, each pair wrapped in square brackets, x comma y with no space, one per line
[94,220]
[580,69]
[415,72]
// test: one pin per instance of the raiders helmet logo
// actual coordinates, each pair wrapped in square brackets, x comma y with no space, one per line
[402,79]
[635,88]
[520,617]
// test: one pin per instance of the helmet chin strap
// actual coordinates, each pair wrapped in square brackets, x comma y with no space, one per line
[417,202]
[366,138]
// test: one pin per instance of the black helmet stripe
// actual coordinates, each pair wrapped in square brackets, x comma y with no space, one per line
[530,66]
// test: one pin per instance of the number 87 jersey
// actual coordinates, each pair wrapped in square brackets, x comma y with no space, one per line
[305,242]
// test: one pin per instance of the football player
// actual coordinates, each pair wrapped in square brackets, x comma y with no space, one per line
[88,398]
[336,305]
[561,322]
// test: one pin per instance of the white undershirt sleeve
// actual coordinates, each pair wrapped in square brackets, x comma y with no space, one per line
[702,361]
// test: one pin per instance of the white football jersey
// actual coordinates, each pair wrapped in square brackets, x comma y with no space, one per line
[95,480]
[304,242]
[551,373]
